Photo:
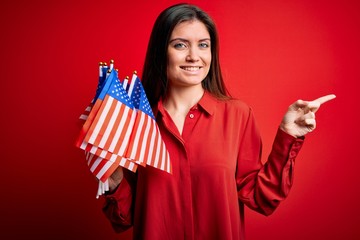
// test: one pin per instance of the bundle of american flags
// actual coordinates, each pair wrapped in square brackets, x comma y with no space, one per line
[119,128]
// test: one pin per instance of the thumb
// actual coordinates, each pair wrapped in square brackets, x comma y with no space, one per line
[299,104]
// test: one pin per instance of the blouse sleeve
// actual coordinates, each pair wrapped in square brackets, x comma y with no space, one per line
[118,206]
[263,186]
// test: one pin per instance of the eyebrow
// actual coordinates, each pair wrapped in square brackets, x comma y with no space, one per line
[185,40]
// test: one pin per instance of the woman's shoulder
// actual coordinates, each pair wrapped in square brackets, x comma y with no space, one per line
[231,105]
[234,111]
[237,103]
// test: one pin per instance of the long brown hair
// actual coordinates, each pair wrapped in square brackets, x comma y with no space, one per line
[154,77]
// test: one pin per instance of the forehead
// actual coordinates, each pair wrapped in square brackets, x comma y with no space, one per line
[190,29]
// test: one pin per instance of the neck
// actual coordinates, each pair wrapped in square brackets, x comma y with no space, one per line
[182,99]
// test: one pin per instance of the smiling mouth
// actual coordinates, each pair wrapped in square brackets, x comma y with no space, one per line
[191,69]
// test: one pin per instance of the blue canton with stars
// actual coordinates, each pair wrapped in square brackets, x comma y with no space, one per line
[139,98]
[101,82]
[113,87]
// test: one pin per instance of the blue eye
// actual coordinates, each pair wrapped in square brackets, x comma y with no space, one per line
[204,45]
[179,45]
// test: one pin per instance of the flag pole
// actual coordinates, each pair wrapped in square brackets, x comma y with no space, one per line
[100,68]
[132,83]
[111,64]
[126,82]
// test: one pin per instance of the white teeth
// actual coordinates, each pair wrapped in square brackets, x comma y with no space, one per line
[191,68]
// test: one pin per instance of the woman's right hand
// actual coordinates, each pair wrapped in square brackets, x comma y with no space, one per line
[115,178]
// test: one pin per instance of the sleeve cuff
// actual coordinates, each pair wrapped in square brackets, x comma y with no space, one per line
[122,190]
[286,146]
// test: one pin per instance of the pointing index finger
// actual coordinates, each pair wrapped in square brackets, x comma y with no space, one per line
[325,99]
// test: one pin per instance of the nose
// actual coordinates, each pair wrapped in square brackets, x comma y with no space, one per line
[193,55]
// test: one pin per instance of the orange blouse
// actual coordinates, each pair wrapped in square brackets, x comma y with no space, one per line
[216,169]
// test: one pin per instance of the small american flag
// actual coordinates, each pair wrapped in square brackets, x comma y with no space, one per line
[146,145]
[119,129]
[96,157]
[102,77]
[107,130]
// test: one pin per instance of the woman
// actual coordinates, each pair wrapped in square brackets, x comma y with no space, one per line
[212,139]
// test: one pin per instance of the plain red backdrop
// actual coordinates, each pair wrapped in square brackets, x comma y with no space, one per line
[272,52]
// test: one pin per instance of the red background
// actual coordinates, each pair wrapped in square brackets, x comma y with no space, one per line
[273,52]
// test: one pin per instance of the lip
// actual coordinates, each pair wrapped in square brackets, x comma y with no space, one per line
[191,68]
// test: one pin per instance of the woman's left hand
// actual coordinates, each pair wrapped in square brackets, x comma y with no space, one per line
[300,117]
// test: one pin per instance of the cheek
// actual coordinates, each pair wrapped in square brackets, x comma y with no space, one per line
[209,58]
[171,60]
[171,68]
[208,64]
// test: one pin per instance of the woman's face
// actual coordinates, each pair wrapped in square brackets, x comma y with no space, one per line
[189,54]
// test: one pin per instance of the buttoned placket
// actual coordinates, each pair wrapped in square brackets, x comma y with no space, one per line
[190,122]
